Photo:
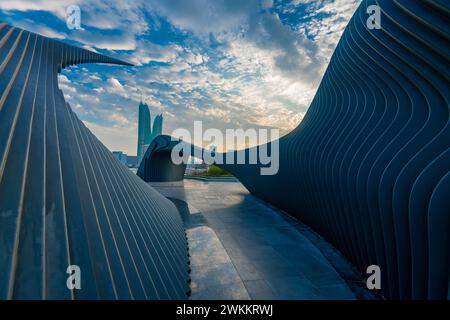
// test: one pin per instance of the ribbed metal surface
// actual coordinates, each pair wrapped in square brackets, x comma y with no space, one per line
[369,166]
[157,165]
[64,198]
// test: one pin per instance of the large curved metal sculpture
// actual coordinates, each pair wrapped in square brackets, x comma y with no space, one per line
[65,200]
[369,165]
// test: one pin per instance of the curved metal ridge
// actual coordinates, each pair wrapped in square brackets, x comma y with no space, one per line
[65,200]
[369,165]
[156,164]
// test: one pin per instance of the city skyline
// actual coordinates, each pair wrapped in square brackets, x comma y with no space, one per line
[146,130]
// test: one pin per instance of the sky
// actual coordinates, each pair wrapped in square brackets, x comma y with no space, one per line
[229,63]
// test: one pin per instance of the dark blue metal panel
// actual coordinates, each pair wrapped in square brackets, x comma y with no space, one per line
[156,164]
[64,198]
[368,167]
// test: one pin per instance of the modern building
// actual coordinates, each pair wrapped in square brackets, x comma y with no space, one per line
[129,161]
[157,126]
[122,157]
[147,132]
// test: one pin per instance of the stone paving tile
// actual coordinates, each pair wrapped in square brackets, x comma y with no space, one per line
[261,252]
[202,233]
[336,292]
[237,253]
[293,288]
[276,268]
[247,270]
[311,266]
[327,279]
[213,275]
[233,291]
[243,248]
[228,241]
[260,290]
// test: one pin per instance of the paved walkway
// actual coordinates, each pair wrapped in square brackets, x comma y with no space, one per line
[242,248]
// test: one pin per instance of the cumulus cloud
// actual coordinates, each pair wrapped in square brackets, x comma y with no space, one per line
[226,62]
[328,20]
[40,28]
[56,7]
[97,39]
[205,16]
[124,17]
[146,52]
[267,4]
[115,84]
[63,79]
[119,120]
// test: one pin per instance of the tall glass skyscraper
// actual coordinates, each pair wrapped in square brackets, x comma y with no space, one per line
[146,133]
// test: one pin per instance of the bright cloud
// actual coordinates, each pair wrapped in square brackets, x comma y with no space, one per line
[230,63]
